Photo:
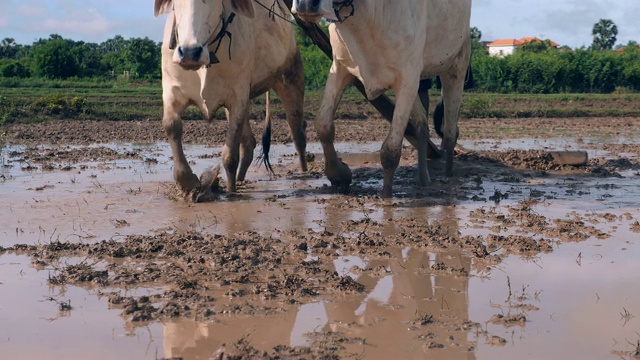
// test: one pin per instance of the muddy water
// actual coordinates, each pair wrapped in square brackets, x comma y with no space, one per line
[580,300]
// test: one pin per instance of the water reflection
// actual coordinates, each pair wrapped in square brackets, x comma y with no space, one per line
[410,311]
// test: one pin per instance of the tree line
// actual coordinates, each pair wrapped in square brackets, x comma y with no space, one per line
[536,67]
[59,58]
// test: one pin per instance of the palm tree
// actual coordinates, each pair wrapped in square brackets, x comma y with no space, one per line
[604,35]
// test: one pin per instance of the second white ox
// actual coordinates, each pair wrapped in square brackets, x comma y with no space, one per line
[393,45]
[212,58]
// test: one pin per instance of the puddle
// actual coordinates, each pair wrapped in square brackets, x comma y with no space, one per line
[581,300]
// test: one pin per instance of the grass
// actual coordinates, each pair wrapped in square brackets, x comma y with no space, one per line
[117,101]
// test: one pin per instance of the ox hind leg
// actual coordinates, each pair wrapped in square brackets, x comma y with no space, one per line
[290,90]
[337,171]
[420,120]
[186,180]
[452,88]
[407,102]
[247,145]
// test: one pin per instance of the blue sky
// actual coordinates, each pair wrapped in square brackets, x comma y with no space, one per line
[567,22]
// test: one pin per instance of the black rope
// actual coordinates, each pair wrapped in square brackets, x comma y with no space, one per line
[213,59]
[339,5]
[272,10]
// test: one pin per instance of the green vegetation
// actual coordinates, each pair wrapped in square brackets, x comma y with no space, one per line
[128,101]
[119,79]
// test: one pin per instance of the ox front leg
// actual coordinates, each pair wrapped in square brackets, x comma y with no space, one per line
[392,146]
[186,180]
[452,96]
[237,115]
[337,171]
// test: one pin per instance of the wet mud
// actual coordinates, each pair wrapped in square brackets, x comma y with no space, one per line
[94,232]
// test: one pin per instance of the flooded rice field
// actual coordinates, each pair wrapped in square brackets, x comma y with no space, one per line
[516,257]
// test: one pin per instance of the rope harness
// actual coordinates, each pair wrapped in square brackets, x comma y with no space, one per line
[213,59]
[339,5]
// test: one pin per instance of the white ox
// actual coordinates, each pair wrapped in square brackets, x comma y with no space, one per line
[393,44]
[212,58]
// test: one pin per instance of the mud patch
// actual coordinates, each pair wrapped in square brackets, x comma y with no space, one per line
[290,268]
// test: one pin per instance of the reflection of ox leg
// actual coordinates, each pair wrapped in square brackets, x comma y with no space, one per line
[188,339]
[174,103]
[182,335]
[291,92]
[345,311]
[337,172]
[391,149]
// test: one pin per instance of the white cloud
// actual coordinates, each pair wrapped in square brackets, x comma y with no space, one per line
[31,11]
[79,23]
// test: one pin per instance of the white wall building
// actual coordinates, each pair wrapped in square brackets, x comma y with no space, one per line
[504,47]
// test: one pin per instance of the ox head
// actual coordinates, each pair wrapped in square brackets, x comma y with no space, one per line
[313,10]
[196,25]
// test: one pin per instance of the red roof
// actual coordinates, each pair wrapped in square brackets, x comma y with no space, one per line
[503,42]
[514,42]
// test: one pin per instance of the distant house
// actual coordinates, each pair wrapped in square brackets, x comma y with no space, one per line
[504,47]
[622,49]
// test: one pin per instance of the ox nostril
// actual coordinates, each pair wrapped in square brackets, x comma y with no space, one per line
[190,54]
[196,53]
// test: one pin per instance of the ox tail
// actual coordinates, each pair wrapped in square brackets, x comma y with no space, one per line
[438,118]
[266,136]
[438,113]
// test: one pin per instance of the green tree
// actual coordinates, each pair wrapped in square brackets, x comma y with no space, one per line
[8,48]
[142,57]
[53,58]
[536,46]
[14,68]
[316,63]
[605,34]
[112,51]
[476,34]
[88,57]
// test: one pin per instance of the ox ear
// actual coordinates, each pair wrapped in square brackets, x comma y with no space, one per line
[162,7]
[242,7]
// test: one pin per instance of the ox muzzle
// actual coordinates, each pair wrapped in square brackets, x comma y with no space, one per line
[313,10]
[194,57]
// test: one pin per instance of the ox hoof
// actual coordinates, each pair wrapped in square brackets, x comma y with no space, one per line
[187,182]
[386,193]
[340,176]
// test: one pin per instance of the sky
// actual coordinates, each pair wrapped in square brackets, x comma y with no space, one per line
[567,22]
